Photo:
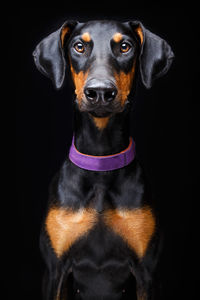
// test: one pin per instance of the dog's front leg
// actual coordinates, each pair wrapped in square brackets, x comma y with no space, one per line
[146,271]
[56,270]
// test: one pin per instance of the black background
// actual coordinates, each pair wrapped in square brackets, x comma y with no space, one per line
[160,126]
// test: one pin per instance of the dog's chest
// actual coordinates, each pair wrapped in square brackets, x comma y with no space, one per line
[66,226]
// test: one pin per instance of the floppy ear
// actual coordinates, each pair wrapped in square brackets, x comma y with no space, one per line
[156,55]
[49,54]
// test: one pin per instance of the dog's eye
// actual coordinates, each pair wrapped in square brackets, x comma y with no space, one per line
[125,47]
[123,291]
[78,291]
[79,47]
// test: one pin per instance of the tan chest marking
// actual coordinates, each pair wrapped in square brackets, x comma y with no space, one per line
[136,227]
[64,227]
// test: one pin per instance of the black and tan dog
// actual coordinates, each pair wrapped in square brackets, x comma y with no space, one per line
[101,238]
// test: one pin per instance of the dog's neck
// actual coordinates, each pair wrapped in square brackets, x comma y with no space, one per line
[92,139]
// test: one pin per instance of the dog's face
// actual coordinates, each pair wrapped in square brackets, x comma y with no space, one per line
[102,57]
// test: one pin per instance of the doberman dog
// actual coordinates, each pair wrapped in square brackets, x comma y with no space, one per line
[100,238]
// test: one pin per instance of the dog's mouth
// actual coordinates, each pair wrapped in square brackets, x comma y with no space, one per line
[101,110]
[100,98]
[100,114]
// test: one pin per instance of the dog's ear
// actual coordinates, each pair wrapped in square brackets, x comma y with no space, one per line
[155,56]
[49,54]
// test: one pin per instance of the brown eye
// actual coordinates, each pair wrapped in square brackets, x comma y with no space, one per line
[79,47]
[125,47]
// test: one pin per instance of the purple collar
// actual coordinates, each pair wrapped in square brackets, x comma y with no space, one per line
[102,163]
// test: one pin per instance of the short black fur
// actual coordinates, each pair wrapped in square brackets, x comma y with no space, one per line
[100,265]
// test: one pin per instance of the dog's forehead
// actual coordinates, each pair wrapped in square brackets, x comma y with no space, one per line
[98,30]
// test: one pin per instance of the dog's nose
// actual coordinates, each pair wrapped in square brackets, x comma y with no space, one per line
[99,91]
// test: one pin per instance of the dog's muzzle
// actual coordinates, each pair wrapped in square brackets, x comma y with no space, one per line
[99,92]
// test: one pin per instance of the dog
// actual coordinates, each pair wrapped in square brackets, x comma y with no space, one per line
[101,237]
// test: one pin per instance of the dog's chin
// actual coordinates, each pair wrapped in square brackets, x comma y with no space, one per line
[100,114]
[101,111]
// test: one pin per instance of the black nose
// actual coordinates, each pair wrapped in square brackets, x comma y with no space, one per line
[99,91]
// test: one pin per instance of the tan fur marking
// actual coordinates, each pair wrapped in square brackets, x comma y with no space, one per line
[65,30]
[117,37]
[79,82]
[86,37]
[140,34]
[136,227]
[64,227]
[101,123]
[141,295]
[124,83]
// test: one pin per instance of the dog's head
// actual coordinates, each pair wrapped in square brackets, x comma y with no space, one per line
[103,57]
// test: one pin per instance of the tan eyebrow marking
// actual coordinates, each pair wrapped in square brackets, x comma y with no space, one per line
[86,37]
[117,37]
